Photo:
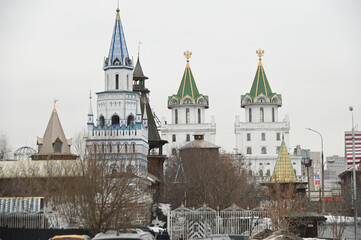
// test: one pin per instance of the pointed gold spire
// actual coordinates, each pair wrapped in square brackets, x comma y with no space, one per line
[90,95]
[260,53]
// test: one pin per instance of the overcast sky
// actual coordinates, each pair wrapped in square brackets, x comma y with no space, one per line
[55,49]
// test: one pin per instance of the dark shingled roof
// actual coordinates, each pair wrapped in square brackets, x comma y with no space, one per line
[138,72]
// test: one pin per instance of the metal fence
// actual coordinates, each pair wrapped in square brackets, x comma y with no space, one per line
[29,221]
[205,221]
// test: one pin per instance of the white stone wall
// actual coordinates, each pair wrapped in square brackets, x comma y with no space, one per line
[125,78]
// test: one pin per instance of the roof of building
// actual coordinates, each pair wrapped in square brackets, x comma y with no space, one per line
[260,83]
[43,168]
[53,132]
[283,171]
[138,72]
[199,144]
[188,86]
[118,47]
[16,205]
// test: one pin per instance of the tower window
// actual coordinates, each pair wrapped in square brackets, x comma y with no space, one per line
[261,114]
[57,146]
[101,121]
[263,150]
[249,150]
[176,116]
[116,81]
[278,137]
[118,148]
[188,138]
[102,148]
[128,82]
[95,148]
[268,173]
[273,114]
[174,151]
[110,148]
[199,115]
[277,150]
[250,115]
[248,137]
[130,121]
[187,116]
[261,173]
[174,138]
[133,148]
[263,137]
[115,120]
[126,148]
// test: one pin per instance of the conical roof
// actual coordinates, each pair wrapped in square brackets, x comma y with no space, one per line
[118,47]
[53,132]
[260,83]
[188,85]
[283,171]
[138,72]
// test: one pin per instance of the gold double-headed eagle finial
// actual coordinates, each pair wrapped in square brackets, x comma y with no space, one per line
[188,55]
[260,53]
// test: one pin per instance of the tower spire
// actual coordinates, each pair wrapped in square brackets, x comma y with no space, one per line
[260,53]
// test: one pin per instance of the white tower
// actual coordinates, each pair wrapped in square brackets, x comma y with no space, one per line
[259,137]
[188,114]
[120,132]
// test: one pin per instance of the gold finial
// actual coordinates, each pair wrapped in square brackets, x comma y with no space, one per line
[260,53]
[90,95]
[55,100]
[188,55]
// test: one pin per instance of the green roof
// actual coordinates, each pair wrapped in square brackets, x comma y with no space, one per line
[283,171]
[188,85]
[260,83]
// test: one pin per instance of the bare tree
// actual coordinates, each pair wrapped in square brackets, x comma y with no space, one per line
[4,146]
[215,179]
[105,197]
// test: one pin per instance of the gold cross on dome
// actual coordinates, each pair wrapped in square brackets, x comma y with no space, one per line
[188,55]
[260,53]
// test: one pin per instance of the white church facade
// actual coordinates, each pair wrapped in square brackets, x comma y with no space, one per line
[259,136]
[119,131]
[188,114]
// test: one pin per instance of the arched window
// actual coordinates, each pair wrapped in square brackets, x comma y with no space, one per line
[277,150]
[187,116]
[261,114]
[250,115]
[188,138]
[248,137]
[130,121]
[115,120]
[250,172]
[118,148]
[102,148]
[110,148]
[249,150]
[101,121]
[133,148]
[273,114]
[176,116]
[128,82]
[199,115]
[263,136]
[126,148]
[263,150]
[95,148]
[57,146]
[116,81]
[268,173]
[261,173]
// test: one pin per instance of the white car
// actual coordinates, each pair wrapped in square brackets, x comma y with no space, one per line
[115,235]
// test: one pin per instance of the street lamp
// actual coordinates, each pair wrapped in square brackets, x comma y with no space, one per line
[354,174]
[322,172]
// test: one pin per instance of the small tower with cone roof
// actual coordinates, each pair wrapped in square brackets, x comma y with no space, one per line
[188,107]
[54,145]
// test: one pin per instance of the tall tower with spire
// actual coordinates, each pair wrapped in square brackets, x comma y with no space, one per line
[188,113]
[259,136]
[119,130]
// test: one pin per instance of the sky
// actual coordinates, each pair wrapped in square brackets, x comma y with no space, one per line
[55,49]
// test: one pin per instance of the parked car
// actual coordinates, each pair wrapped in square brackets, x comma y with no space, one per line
[115,235]
[70,237]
